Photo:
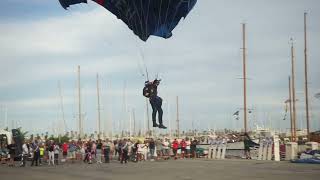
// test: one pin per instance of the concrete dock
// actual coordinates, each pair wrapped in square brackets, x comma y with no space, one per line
[166,170]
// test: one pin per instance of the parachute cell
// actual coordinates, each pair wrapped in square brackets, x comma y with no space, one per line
[145,17]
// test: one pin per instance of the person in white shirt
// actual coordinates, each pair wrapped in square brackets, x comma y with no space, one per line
[188,142]
[166,147]
[25,153]
[56,153]
[51,152]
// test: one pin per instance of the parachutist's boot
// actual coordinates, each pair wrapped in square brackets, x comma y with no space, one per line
[161,126]
[155,124]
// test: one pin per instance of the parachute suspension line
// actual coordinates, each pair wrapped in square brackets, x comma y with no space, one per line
[135,23]
[140,17]
[140,69]
[165,20]
[143,66]
[147,18]
[144,63]
[147,74]
[175,13]
[143,19]
[159,18]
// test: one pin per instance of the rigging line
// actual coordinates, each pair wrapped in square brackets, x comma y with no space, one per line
[147,18]
[140,19]
[167,12]
[159,19]
[142,56]
[175,13]
[140,66]
[143,18]
[144,63]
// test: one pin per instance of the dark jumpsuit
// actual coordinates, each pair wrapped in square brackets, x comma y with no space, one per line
[156,103]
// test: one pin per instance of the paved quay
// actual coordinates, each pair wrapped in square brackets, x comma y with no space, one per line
[166,170]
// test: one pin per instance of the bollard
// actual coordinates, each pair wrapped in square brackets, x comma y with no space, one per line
[269,148]
[291,150]
[276,148]
[209,153]
[214,152]
[260,150]
[265,150]
[219,152]
[224,148]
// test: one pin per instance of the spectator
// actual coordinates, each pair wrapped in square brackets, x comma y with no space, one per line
[56,153]
[175,146]
[64,150]
[51,152]
[183,146]
[152,148]
[159,148]
[12,151]
[36,153]
[193,148]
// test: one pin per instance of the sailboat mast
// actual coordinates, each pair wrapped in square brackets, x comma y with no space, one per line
[293,92]
[148,120]
[79,97]
[134,121]
[178,125]
[244,77]
[62,108]
[290,107]
[306,74]
[98,96]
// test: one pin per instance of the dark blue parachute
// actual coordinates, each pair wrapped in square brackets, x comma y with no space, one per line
[145,17]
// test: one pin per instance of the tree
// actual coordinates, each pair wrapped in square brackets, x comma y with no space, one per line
[22,134]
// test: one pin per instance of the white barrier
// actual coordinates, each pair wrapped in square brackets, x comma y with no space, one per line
[223,154]
[217,151]
[269,151]
[291,150]
[265,149]
[313,145]
[276,148]
[260,150]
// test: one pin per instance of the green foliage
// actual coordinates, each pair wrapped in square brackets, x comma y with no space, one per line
[22,133]
[59,139]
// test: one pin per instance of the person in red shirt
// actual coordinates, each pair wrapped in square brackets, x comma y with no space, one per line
[175,146]
[64,150]
[183,145]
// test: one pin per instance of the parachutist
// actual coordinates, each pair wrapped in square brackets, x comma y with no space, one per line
[151,91]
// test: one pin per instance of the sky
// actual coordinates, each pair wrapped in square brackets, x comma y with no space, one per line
[41,46]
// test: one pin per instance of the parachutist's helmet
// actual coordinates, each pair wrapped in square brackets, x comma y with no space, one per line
[156,82]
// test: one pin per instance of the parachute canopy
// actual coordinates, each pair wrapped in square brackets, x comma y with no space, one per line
[145,17]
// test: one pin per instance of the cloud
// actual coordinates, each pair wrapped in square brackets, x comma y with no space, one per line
[73,34]
[36,103]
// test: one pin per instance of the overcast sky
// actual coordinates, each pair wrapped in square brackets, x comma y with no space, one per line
[42,44]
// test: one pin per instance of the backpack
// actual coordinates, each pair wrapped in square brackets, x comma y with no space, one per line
[147,90]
